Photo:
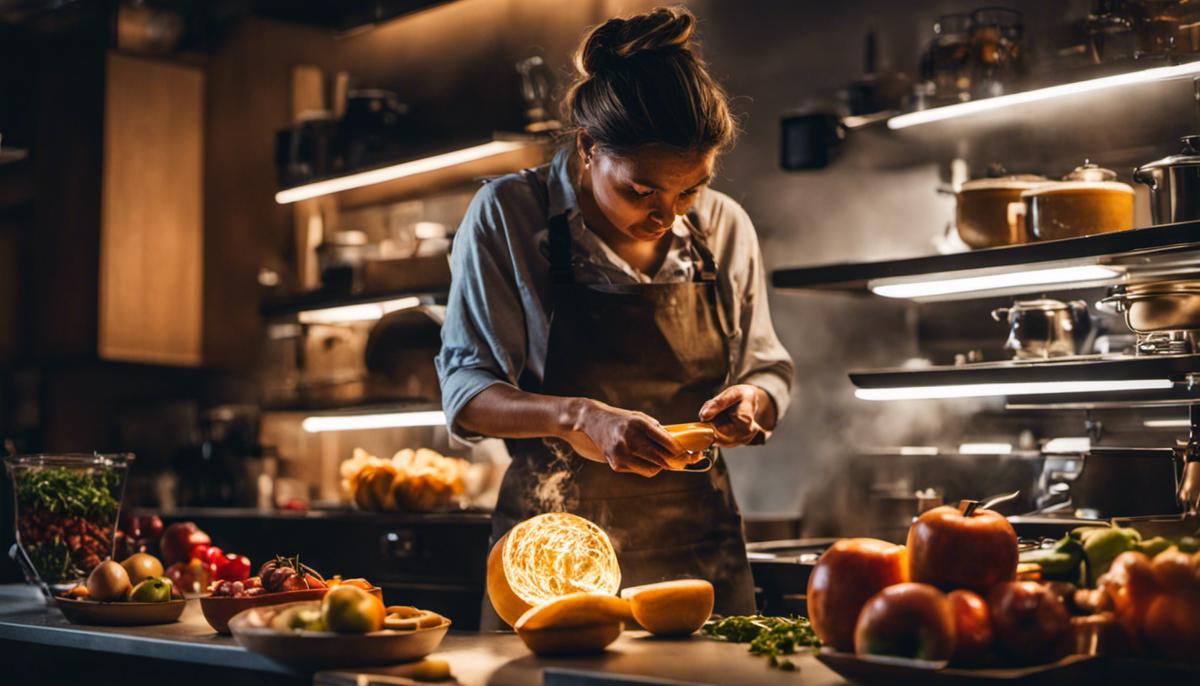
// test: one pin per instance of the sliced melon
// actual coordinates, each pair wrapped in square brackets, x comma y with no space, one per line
[671,608]
[578,640]
[575,610]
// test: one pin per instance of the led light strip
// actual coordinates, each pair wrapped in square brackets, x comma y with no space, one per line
[1167,424]
[985,449]
[395,171]
[364,312]
[970,284]
[393,420]
[1016,388]
[1001,101]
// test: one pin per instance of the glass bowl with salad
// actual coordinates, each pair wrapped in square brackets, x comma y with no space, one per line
[66,514]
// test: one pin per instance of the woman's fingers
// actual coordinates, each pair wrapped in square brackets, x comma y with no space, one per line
[723,401]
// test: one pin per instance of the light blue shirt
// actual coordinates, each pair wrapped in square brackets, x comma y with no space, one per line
[497,317]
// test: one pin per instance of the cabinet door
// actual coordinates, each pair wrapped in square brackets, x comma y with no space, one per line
[152,237]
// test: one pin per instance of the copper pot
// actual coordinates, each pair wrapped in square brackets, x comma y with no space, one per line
[983,214]
[1087,201]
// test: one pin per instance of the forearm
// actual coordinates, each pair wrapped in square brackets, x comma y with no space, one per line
[502,411]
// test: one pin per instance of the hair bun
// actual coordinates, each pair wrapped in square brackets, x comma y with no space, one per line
[617,40]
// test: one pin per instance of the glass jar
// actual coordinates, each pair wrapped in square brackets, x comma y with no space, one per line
[66,514]
[946,65]
[995,49]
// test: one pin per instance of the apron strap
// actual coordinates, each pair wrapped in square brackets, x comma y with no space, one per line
[708,265]
[559,230]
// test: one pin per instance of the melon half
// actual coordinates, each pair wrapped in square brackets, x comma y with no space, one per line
[573,624]
[671,608]
[547,557]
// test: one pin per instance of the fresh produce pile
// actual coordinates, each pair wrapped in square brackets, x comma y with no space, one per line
[421,479]
[137,534]
[280,575]
[348,609]
[139,579]
[1149,589]
[65,519]
[195,563]
[954,594]
[769,636]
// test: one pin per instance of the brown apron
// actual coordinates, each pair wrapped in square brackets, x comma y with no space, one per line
[658,349]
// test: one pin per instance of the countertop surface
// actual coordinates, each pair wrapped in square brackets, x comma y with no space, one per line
[475,659]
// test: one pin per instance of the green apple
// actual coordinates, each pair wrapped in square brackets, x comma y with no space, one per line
[154,589]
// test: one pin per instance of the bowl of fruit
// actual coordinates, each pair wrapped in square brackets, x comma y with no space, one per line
[66,514]
[132,593]
[280,580]
[348,627]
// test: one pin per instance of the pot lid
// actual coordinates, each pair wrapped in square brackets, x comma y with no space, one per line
[1087,176]
[1018,182]
[1189,156]
[1043,304]
[1190,286]
[1089,171]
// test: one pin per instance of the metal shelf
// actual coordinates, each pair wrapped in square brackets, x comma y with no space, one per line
[1132,256]
[1072,383]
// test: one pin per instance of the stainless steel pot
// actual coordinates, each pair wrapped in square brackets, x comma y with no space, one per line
[1174,184]
[1087,201]
[1162,306]
[1041,329]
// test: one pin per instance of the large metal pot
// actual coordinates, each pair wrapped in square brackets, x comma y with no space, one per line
[984,215]
[1041,329]
[1162,306]
[1087,201]
[1174,184]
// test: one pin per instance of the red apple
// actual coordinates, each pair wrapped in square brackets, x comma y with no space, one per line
[951,550]
[849,573]
[1132,585]
[178,539]
[1031,623]
[972,626]
[906,620]
[1172,626]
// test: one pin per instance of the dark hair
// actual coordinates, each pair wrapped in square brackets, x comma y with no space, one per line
[641,81]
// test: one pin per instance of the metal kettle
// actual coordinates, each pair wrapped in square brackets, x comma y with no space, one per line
[1041,329]
[1174,184]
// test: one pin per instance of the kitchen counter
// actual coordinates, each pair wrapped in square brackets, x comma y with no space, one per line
[189,648]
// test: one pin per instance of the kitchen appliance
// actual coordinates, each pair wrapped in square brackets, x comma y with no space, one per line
[1043,328]
[781,569]
[373,128]
[985,215]
[1174,184]
[1126,482]
[1164,315]
[1087,201]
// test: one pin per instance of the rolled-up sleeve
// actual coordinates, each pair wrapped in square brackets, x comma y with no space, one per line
[758,357]
[483,336]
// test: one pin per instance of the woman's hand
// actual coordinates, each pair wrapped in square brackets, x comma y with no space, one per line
[740,414]
[627,441]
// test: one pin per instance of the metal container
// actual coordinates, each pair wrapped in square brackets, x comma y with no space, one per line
[1174,184]
[1041,329]
[984,213]
[1153,307]
[1087,201]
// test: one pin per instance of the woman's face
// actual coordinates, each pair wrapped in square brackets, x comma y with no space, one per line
[641,193]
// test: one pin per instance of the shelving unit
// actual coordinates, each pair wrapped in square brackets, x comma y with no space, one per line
[1132,256]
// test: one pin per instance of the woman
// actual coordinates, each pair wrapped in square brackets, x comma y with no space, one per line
[611,292]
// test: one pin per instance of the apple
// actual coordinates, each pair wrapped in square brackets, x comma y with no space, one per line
[1030,621]
[1131,584]
[951,550]
[846,576]
[907,620]
[972,627]
[178,539]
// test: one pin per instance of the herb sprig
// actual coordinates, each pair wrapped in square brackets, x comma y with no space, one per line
[772,637]
[60,490]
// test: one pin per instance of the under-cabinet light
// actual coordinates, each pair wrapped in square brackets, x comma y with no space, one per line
[1167,424]
[395,171]
[982,390]
[971,284]
[391,420]
[1001,101]
[363,312]
[985,449]
[1068,444]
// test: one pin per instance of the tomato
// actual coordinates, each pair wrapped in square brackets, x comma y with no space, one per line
[235,568]
[198,551]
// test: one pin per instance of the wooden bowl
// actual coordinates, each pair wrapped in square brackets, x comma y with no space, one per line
[119,614]
[218,610]
[324,649]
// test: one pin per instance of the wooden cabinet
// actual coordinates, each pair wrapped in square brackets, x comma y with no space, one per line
[152,220]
